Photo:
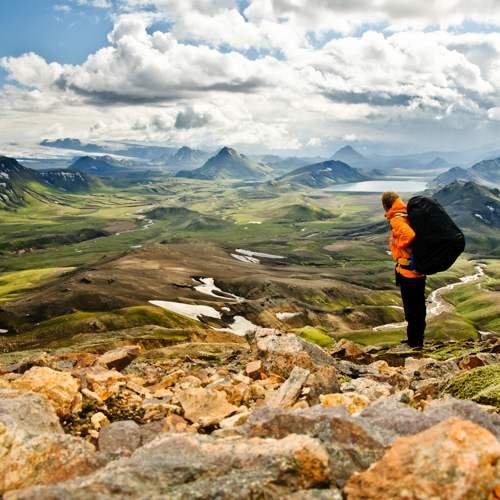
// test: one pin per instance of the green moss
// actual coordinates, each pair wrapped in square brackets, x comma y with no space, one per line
[14,284]
[83,322]
[343,379]
[315,336]
[370,337]
[480,384]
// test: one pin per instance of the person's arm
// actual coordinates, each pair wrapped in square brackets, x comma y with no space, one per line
[403,232]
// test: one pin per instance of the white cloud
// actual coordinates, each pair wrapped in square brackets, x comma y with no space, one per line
[31,70]
[98,4]
[62,8]
[261,77]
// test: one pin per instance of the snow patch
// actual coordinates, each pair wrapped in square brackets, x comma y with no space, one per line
[207,286]
[249,253]
[240,326]
[188,310]
[284,316]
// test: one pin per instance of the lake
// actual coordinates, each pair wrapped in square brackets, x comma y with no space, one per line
[404,185]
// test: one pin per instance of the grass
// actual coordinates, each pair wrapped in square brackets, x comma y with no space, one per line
[13,284]
[480,384]
[308,227]
[314,335]
[69,325]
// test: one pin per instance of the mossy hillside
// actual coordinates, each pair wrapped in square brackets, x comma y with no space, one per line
[447,327]
[15,283]
[480,384]
[66,326]
[478,305]
[314,335]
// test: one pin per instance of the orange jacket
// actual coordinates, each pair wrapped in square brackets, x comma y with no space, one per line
[401,237]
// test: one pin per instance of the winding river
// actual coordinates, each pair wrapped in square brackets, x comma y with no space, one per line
[436,304]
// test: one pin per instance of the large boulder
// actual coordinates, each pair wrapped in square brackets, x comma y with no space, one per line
[351,443]
[122,437]
[178,466]
[205,406]
[28,411]
[454,459]
[398,419]
[27,459]
[60,388]
[282,352]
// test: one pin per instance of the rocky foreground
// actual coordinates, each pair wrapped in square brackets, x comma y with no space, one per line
[272,418]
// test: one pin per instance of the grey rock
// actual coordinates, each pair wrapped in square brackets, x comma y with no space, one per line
[398,419]
[289,391]
[353,445]
[315,494]
[282,352]
[180,466]
[28,411]
[122,437]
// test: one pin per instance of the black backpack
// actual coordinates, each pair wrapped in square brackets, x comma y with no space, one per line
[438,241]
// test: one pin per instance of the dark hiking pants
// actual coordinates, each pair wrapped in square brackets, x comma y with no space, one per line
[413,295]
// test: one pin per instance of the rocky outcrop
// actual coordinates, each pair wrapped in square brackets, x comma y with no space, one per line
[454,459]
[196,466]
[33,447]
[351,444]
[60,388]
[41,459]
[399,419]
[263,420]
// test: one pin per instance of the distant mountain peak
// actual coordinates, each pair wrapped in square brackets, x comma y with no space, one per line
[349,155]
[347,149]
[228,164]
[227,151]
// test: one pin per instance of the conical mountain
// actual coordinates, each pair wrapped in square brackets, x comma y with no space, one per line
[324,174]
[348,155]
[187,158]
[228,164]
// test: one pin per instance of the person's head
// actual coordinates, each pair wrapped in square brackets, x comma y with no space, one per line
[388,199]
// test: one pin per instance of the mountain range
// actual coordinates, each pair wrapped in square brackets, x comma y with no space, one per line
[471,205]
[485,172]
[102,166]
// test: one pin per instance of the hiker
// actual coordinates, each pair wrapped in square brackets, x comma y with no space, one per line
[410,282]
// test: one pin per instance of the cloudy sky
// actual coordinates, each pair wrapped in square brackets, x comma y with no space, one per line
[261,75]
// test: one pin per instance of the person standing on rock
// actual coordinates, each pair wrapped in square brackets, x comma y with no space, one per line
[410,282]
